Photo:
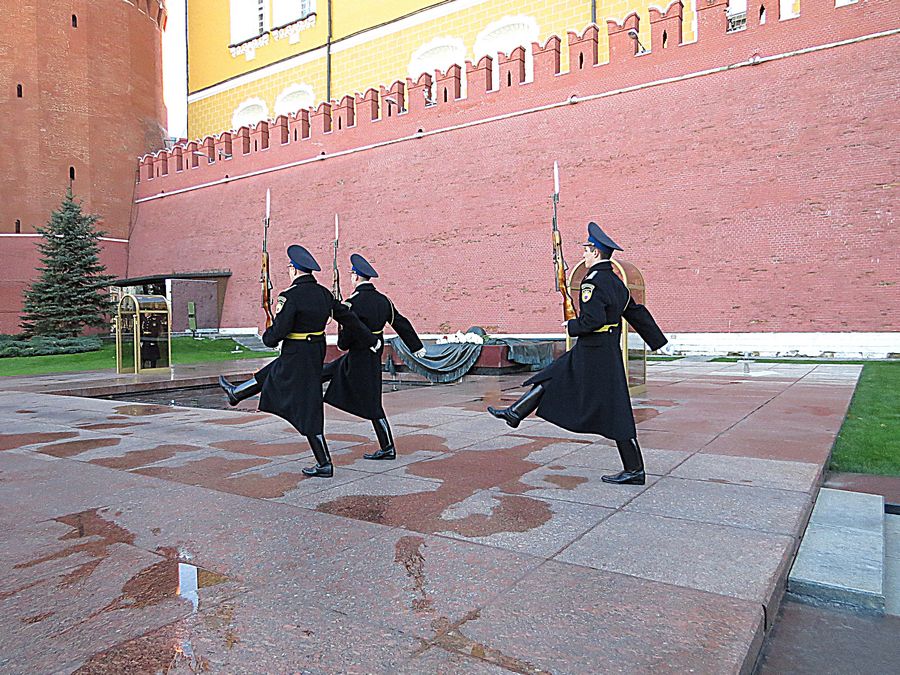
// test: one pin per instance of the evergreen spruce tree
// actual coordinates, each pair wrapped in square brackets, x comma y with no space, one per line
[72,290]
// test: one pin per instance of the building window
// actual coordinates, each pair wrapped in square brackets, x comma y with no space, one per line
[294,98]
[18,226]
[288,11]
[74,21]
[249,112]
[18,91]
[249,19]
[736,13]
[71,173]
[504,36]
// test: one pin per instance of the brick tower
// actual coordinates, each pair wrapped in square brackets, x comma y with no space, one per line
[80,97]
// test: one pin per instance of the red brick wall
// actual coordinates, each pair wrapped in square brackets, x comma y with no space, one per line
[92,100]
[19,257]
[758,198]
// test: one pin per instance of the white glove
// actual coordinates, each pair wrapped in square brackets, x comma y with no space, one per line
[419,354]
[376,346]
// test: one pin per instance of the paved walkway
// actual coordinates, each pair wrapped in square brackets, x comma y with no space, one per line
[154,537]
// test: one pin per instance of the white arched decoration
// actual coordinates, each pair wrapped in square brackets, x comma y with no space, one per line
[294,97]
[249,112]
[438,54]
[505,35]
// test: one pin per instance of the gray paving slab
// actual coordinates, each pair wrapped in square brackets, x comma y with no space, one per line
[856,510]
[605,456]
[764,509]
[736,562]
[841,557]
[892,585]
[840,564]
[578,484]
[771,473]
[565,619]
[892,535]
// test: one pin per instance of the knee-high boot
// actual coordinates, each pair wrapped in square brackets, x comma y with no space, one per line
[518,411]
[385,441]
[239,392]
[323,467]
[632,462]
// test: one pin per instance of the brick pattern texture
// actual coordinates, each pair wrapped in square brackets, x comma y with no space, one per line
[756,198]
[91,100]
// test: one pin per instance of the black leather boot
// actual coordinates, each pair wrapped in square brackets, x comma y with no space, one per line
[239,392]
[518,411]
[385,441]
[323,467]
[632,461]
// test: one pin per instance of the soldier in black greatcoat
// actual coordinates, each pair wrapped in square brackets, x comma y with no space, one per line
[586,390]
[291,385]
[355,378]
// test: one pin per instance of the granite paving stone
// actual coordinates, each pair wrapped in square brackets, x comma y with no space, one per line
[764,509]
[576,484]
[771,473]
[481,549]
[603,456]
[566,619]
[415,582]
[739,563]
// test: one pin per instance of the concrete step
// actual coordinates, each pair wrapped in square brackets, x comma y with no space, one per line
[892,564]
[252,342]
[841,556]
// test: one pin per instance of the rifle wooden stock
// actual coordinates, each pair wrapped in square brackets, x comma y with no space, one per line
[559,263]
[266,289]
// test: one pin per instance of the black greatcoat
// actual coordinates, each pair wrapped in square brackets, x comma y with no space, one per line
[586,388]
[356,376]
[292,383]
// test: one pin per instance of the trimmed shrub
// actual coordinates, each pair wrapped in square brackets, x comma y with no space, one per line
[13,345]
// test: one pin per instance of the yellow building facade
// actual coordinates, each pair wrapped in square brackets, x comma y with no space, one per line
[250,60]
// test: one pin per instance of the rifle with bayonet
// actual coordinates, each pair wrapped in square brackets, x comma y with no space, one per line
[559,263]
[336,281]
[264,277]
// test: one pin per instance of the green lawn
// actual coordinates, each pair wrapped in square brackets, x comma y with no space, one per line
[184,350]
[734,359]
[869,440]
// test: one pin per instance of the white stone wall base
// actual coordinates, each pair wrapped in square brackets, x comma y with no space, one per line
[825,345]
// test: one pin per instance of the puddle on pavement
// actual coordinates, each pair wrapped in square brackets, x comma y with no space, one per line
[37,618]
[408,552]
[249,447]
[13,441]
[110,425]
[137,458]
[566,482]
[217,473]
[449,636]
[93,534]
[163,650]
[644,414]
[210,397]
[72,448]
[140,410]
[462,474]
